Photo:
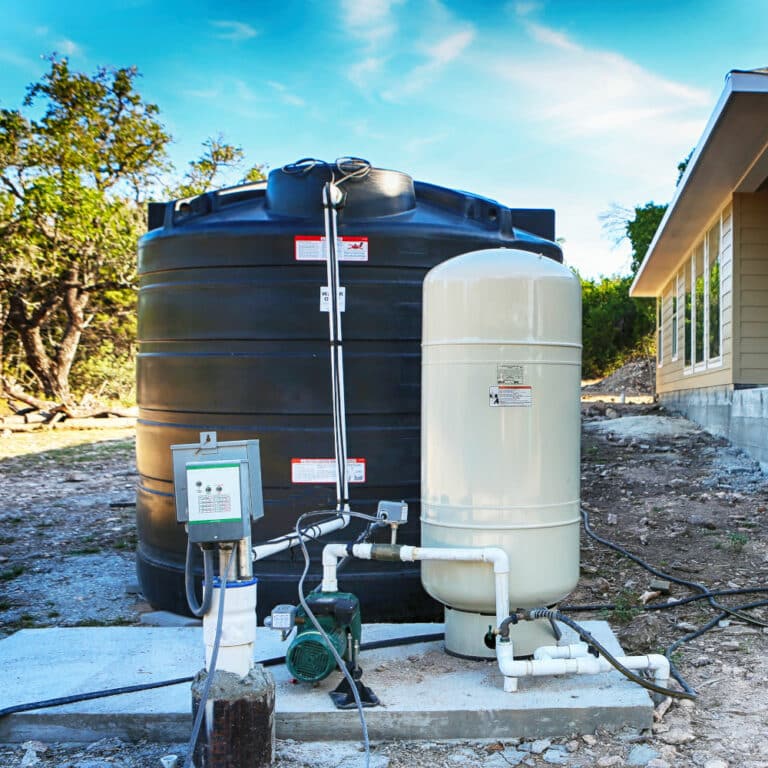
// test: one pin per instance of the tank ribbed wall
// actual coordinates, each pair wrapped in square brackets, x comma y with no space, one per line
[231,339]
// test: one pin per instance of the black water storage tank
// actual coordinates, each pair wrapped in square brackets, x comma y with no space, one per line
[231,339]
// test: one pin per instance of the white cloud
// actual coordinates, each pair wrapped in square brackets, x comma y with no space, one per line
[600,126]
[617,109]
[68,47]
[285,95]
[525,8]
[549,36]
[14,59]
[370,21]
[243,91]
[236,31]
[438,56]
[203,94]
[362,71]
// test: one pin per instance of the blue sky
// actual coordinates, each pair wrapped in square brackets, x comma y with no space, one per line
[568,104]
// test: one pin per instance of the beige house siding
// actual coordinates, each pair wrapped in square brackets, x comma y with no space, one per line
[751,285]
[672,375]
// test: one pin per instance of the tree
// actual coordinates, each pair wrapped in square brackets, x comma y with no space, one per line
[218,156]
[71,186]
[641,229]
[615,327]
[70,183]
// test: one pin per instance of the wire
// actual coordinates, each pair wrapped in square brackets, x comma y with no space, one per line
[587,637]
[274,661]
[349,168]
[329,645]
[198,609]
[706,593]
[589,608]
[212,665]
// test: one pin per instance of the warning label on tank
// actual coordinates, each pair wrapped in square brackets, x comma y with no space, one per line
[312,248]
[510,396]
[324,470]
[510,373]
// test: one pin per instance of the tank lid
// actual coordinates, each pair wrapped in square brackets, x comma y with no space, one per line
[296,190]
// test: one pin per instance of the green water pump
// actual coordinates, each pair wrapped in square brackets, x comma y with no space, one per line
[309,658]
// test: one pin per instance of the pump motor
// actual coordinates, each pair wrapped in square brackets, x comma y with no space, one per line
[309,658]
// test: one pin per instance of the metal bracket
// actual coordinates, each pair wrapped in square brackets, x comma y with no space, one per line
[208,441]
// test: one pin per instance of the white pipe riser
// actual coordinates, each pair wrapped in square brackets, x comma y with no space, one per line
[238,632]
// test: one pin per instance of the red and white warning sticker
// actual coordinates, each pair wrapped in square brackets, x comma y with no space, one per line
[324,470]
[510,396]
[312,248]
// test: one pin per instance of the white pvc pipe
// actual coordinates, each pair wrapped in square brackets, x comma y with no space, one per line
[561,651]
[513,668]
[498,557]
[292,539]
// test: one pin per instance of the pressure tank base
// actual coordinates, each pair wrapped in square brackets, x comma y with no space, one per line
[465,635]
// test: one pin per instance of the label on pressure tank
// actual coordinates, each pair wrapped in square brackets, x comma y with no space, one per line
[324,470]
[510,396]
[510,373]
[312,248]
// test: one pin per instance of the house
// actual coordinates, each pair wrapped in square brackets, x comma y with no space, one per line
[707,268]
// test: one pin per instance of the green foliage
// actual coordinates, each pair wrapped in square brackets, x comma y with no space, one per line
[615,327]
[217,157]
[641,229]
[76,162]
[70,181]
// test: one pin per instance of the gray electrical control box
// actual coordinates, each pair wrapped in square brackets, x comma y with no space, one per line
[217,488]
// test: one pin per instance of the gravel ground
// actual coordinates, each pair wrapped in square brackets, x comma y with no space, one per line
[679,498]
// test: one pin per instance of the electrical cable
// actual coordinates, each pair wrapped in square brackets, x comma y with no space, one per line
[329,645]
[588,638]
[212,665]
[198,609]
[593,607]
[706,593]
[273,661]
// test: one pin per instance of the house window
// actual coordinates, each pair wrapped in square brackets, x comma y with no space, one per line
[713,293]
[660,330]
[673,329]
[701,283]
[688,315]
[699,314]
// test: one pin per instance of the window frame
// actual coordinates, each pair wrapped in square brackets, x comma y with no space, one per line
[674,320]
[707,362]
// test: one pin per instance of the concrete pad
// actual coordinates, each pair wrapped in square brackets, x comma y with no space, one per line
[425,693]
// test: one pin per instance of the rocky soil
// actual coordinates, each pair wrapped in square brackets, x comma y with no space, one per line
[677,497]
[637,377]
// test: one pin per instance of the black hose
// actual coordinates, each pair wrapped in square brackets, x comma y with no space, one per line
[593,607]
[199,609]
[588,638]
[705,593]
[270,662]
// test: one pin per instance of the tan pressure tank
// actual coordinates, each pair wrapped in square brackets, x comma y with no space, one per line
[500,437]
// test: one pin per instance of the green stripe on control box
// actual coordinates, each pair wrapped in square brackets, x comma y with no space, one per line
[214,465]
[218,520]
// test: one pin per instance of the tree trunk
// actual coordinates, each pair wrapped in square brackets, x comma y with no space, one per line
[51,371]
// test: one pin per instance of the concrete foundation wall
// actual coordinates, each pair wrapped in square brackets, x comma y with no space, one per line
[740,415]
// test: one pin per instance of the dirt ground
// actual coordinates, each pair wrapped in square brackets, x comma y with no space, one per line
[679,498]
